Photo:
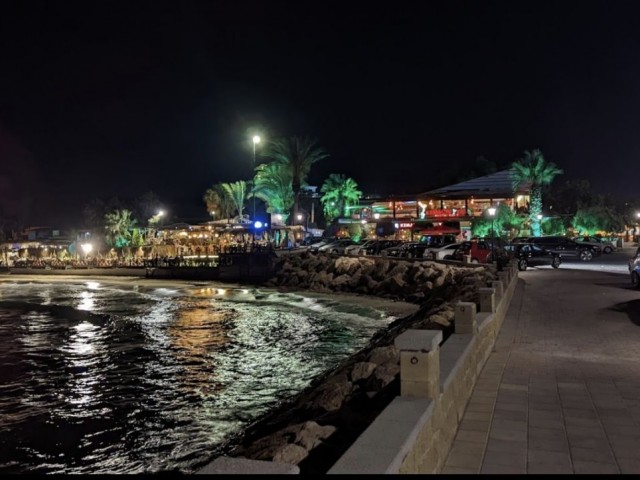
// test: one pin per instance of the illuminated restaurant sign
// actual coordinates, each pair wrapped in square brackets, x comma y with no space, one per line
[405,225]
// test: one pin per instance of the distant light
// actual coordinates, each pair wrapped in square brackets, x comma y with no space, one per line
[256,139]
[258,224]
[86,247]
[363,221]
[492,211]
[376,216]
[299,216]
[160,213]
[396,225]
[539,216]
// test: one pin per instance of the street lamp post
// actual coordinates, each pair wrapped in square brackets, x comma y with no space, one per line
[492,213]
[256,140]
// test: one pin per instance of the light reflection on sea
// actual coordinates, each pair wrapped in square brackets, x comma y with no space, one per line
[105,378]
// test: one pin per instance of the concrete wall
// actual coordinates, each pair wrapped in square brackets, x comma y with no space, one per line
[415,432]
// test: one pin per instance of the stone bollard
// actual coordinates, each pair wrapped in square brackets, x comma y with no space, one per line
[505,278]
[487,300]
[465,318]
[419,363]
[498,286]
[467,258]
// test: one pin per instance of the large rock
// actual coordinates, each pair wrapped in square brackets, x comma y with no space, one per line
[291,454]
[388,354]
[362,370]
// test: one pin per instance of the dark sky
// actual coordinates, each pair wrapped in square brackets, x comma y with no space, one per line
[99,99]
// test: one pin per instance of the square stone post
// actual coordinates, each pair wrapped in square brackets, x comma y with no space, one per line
[487,300]
[419,363]
[465,318]
[505,278]
[497,285]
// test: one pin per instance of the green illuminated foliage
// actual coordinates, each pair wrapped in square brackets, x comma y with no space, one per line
[535,171]
[236,192]
[273,185]
[297,155]
[339,193]
[118,226]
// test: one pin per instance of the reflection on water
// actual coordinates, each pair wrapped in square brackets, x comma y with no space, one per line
[99,378]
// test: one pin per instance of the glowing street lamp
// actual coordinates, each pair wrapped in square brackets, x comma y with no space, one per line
[256,140]
[86,248]
[492,214]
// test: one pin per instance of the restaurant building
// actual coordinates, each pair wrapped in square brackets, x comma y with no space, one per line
[447,210]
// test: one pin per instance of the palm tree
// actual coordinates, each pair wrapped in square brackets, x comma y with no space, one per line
[340,192]
[273,185]
[218,202]
[297,155]
[535,171]
[118,225]
[237,193]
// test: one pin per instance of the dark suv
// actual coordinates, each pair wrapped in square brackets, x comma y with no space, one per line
[566,247]
[530,255]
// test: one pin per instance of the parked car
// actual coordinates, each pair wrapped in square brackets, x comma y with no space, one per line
[357,248]
[310,241]
[478,250]
[314,247]
[405,250]
[376,247]
[531,255]
[442,253]
[634,269]
[520,240]
[567,247]
[436,241]
[337,246]
[606,245]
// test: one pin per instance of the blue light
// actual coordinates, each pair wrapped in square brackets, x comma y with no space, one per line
[258,224]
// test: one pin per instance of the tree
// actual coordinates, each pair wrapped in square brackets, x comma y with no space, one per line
[535,171]
[505,223]
[273,185]
[297,155]
[589,220]
[118,225]
[237,193]
[340,192]
[218,202]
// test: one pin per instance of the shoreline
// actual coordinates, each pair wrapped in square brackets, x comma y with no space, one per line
[394,308]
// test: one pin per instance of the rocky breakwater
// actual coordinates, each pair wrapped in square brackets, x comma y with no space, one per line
[313,429]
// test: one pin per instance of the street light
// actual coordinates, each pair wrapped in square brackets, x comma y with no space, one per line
[492,213]
[256,140]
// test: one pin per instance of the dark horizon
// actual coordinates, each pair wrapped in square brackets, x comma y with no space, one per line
[117,99]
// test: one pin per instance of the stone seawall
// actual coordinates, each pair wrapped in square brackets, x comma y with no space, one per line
[313,429]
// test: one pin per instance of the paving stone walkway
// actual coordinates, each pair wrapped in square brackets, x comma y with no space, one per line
[561,391]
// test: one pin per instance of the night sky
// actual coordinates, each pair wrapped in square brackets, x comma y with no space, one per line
[103,99]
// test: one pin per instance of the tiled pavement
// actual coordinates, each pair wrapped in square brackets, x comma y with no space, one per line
[561,391]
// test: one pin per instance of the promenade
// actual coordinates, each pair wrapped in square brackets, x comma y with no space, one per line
[561,391]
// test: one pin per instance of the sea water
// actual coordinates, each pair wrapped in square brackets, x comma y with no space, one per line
[106,378]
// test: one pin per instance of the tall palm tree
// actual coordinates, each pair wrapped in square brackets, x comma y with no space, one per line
[118,225]
[237,193]
[535,171]
[218,202]
[340,192]
[298,155]
[273,185]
